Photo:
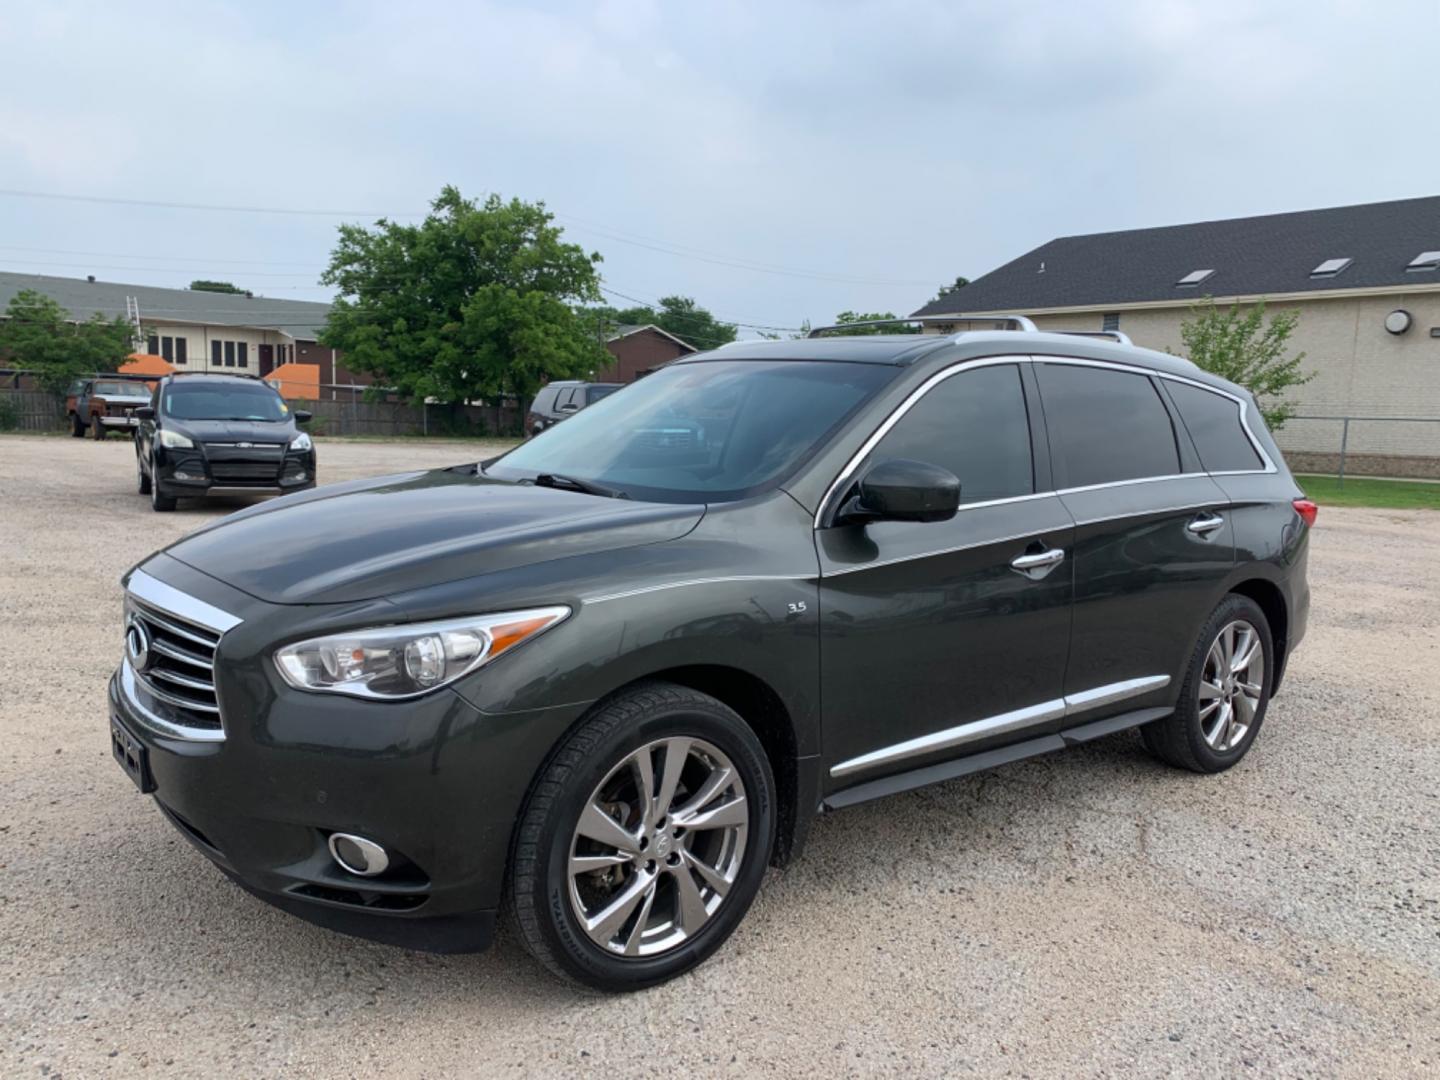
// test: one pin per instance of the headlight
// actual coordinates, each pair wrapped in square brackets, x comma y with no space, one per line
[174,440]
[301,441]
[405,661]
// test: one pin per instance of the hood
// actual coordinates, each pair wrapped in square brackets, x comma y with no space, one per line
[375,538]
[256,431]
[123,399]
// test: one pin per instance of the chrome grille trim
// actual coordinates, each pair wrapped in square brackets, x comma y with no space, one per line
[176,692]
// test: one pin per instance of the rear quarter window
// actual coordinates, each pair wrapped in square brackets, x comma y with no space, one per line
[1216,429]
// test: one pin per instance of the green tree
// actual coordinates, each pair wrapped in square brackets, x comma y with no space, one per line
[847,317]
[946,290]
[1247,350]
[203,285]
[475,302]
[37,333]
[678,315]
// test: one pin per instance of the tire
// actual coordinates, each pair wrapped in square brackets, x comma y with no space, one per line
[77,427]
[1200,735]
[142,480]
[97,428]
[600,760]
[160,503]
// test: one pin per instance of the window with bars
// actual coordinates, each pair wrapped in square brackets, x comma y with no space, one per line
[1110,321]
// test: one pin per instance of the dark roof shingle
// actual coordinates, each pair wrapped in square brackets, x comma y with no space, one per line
[1268,255]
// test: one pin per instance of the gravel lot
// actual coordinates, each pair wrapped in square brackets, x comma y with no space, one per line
[1089,913]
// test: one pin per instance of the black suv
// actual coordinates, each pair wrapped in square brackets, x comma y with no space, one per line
[219,434]
[558,400]
[605,681]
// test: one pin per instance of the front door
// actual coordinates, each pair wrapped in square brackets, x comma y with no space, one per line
[947,638]
[1153,541]
[267,360]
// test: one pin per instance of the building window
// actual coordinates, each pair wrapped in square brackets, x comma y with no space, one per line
[1110,321]
[153,347]
[181,350]
[167,348]
[242,351]
[229,354]
[214,354]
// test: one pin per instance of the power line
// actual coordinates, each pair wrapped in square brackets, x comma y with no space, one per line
[654,305]
[165,205]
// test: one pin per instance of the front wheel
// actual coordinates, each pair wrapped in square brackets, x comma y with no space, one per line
[97,428]
[142,480]
[1225,694]
[77,426]
[644,840]
[160,503]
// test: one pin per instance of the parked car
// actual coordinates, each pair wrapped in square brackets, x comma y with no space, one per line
[97,405]
[557,400]
[219,434]
[604,685]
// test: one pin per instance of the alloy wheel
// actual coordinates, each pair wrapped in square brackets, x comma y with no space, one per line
[657,847]
[1231,684]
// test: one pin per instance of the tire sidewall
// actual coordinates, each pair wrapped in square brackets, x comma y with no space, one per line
[1232,608]
[585,960]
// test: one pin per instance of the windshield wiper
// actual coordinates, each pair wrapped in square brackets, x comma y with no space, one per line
[570,483]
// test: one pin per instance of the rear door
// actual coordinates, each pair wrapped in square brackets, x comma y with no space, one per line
[1153,540]
[934,642]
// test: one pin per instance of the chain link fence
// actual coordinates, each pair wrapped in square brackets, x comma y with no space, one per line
[1390,446]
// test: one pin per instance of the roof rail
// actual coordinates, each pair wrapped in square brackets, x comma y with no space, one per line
[1012,322]
[1114,335]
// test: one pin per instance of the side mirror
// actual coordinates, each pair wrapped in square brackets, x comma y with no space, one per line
[903,490]
[144,412]
[302,416]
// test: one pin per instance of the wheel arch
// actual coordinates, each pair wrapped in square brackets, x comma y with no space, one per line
[1271,601]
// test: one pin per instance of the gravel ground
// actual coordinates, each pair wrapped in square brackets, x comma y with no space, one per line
[1090,913]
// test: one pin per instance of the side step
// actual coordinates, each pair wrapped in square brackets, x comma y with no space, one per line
[989,759]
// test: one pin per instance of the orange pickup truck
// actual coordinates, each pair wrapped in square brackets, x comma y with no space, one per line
[98,405]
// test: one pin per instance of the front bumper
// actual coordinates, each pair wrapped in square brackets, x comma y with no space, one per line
[115,421]
[191,473]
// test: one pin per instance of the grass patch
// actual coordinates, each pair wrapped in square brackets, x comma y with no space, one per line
[1365,491]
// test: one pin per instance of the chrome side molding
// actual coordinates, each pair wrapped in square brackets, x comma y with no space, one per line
[1016,720]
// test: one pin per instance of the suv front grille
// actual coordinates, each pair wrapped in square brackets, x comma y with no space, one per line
[179,670]
[231,463]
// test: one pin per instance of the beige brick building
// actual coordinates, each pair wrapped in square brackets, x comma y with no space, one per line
[1365,281]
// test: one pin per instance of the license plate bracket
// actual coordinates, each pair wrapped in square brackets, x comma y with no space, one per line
[132,756]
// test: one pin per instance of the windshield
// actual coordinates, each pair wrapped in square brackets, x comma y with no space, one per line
[119,389]
[701,432]
[232,401]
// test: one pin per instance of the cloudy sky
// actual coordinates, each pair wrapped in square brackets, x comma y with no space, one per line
[777,161]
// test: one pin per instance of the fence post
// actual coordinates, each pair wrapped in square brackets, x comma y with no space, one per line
[1344,441]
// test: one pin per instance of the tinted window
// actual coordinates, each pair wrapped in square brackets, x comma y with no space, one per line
[975,424]
[595,393]
[705,432]
[544,400]
[1105,425]
[187,400]
[1214,424]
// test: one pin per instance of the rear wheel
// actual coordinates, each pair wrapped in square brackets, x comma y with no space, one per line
[1225,695]
[644,840]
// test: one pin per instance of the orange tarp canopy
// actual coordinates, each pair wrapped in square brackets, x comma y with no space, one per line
[300,381]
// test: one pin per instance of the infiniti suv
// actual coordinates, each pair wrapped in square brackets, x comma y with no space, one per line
[603,681]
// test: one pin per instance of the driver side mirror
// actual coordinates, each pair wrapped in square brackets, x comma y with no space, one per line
[302,416]
[144,412]
[902,490]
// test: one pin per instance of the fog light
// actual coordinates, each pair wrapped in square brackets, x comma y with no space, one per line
[181,475]
[358,855]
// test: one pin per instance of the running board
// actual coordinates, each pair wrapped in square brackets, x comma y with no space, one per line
[989,759]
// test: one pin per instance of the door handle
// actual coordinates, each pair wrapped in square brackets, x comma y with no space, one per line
[1205,524]
[1038,564]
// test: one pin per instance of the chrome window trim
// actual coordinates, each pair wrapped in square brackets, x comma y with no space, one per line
[1015,720]
[158,723]
[847,473]
[153,591]
[899,412]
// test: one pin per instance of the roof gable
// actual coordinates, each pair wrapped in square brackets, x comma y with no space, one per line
[1255,256]
[631,330]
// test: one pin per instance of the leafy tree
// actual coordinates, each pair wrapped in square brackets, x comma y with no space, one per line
[946,290]
[1245,349]
[678,315]
[217,286]
[475,302]
[38,333]
[847,317]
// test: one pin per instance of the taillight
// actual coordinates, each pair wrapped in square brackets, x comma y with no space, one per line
[1307,511]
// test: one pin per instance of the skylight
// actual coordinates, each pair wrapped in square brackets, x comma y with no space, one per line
[1193,278]
[1330,267]
[1426,260]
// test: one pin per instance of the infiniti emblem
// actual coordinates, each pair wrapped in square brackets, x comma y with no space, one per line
[137,644]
